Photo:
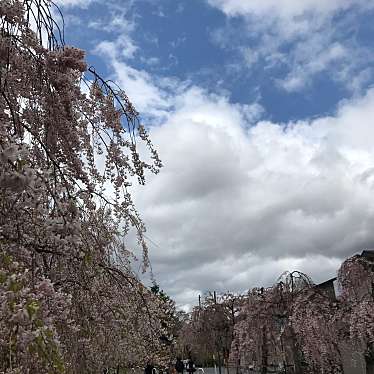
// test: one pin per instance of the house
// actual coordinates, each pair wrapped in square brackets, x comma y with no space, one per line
[328,287]
[276,349]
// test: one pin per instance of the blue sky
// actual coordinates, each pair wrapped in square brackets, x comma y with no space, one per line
[262,114]
[198,43]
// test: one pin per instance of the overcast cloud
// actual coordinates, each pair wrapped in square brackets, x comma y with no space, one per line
[240,202]
[241,199]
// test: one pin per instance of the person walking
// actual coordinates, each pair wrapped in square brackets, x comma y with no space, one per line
[172,369]
[190,366]
[179,366]
[148,369]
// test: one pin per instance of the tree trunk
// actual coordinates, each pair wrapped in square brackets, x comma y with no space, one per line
[369,358]
[219,363]
[369,366]
[264,352]
[297,354]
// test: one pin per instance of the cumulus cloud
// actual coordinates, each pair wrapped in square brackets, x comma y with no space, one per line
[304,38]
[152,96]
[241,199]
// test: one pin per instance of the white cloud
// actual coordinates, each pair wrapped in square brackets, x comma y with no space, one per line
[151,96]
[240,200]
[118,20]
[305,67]
[304,38]
[285,8]
[74,3]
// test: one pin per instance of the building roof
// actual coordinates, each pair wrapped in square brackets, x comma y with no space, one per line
[368,253]
[325,283]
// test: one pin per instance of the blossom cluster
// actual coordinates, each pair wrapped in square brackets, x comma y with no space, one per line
[70,301]
[304,328]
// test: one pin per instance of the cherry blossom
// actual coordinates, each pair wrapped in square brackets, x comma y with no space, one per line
[71,302]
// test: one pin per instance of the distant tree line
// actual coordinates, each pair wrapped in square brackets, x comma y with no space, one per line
[294,326]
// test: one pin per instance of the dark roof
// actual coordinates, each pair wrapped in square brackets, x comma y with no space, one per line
[368,253]
[325,283]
